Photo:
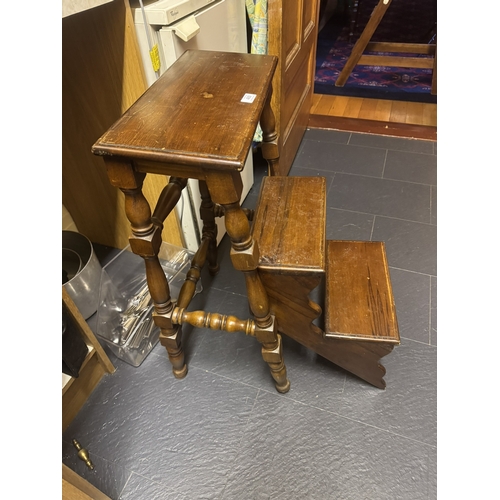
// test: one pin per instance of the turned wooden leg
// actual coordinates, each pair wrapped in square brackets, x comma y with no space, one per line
[207,215]
[360,46]
[146,241]
[266,328]
[270,148]
[226,190]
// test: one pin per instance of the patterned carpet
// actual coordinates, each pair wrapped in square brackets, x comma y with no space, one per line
[405,21]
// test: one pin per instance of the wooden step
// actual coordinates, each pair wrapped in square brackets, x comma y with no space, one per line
[360,314]
[289,228]
[361,326]
[289,224]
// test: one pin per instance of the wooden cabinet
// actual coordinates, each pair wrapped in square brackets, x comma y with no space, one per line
[75,391]
[293,33]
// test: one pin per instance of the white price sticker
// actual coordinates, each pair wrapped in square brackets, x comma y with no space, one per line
[249,98]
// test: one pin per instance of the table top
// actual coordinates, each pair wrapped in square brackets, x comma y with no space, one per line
[203,111]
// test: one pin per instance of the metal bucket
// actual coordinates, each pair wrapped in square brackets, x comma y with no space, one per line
[81,272]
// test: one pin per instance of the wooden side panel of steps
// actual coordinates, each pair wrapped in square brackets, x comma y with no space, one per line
[290,304]
[289,226]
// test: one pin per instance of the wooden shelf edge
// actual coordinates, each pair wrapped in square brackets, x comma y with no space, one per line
[86,332]
[360,125]
[96,364]
[80,389]
[67,380]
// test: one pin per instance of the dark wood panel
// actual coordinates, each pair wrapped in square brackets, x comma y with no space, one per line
[292,37]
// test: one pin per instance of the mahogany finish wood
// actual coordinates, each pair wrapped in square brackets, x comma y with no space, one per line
[292,37]
[361,325]
[290,228]
[363,44]
[197,121]
[290,224]
[214,321]
[282,257]
[360,302]
[360,314]
[194,115]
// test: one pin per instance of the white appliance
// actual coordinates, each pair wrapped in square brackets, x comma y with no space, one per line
[176,26]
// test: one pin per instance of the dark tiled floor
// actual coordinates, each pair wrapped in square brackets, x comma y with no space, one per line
[224,432]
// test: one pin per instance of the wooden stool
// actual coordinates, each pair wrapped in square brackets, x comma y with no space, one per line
[363,44]
[197,121]
[360,325]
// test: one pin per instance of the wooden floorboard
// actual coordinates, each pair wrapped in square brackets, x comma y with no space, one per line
[374,116]
[373,127]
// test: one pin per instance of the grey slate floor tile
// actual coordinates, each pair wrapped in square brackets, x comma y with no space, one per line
[312,377]
[348,159]
[393,143]
[294,451]
[335,136]
[408,406]
[404,200]
[235,356]
[434,205]
[141,487]
[409,245]
[411,167]
[224,433]
[298,171]
[165,430]
[433,310]
[412,297]
[107,475]
[346,225]
[226,280]
[432,486]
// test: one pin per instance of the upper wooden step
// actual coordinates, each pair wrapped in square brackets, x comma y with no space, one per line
[359,301]
[289,224]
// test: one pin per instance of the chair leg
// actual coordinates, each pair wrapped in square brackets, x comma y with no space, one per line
[360,46]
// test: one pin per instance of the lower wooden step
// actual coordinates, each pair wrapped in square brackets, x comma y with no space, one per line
[360,313]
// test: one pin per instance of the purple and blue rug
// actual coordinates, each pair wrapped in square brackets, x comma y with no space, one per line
[377,82]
